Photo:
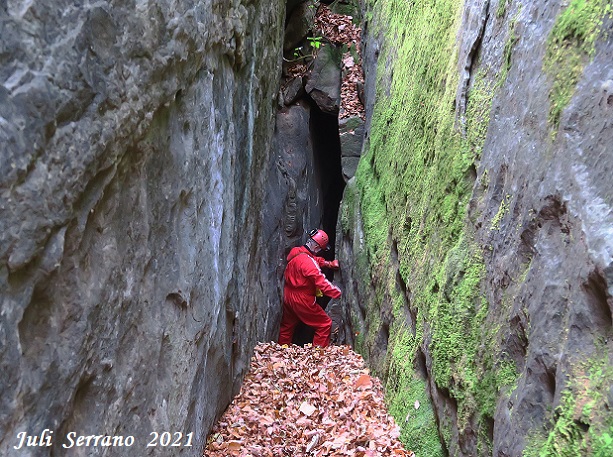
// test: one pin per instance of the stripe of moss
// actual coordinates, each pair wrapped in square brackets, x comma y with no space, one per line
[582,423]
[408,402]
[570,45]
[413,184]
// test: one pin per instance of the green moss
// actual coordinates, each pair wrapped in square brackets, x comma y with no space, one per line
[347,208]
[465,353]
[508,51]
[502,8]
[582,423]
[410,407]
[569,46]
[413,185]
[503,209]
[452,315]
[349,8]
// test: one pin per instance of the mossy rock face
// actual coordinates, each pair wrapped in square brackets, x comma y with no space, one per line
[349,8]
[351,134]
[569,48]
[476,252]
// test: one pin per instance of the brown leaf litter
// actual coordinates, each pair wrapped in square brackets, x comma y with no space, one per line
[306,401]
[340,30]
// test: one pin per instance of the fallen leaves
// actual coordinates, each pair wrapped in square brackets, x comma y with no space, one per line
[303,402]
[307,409]
[340,30]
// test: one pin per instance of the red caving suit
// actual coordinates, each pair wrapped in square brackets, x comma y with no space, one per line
[303,277]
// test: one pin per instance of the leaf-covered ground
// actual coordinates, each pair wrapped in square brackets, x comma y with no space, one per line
[306,401]
[340,30]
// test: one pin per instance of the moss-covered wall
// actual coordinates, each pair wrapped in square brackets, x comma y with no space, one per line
[446,227]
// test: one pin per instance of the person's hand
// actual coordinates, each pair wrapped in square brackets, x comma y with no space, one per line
[334,265]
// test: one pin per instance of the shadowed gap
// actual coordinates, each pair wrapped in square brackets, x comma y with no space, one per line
[328,172]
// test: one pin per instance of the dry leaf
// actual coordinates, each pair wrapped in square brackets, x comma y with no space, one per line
[322,403]
[348,61]
[307,409]
[312,443]
[363,381]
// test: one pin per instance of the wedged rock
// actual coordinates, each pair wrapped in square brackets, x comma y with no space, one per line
[351,134]
[292,90]
[324,81]
[299,25]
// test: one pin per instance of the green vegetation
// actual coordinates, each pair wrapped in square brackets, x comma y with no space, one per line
[508,50]
[582,423]
[502,8]
[412,190]
[418,425]
[569,47]
[348,7]
[315,42]
[503,209]
[413,187]
[347,209]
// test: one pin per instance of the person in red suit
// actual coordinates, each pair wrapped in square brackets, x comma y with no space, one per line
[303,281]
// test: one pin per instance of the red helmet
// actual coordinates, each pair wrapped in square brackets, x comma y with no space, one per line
[320,237]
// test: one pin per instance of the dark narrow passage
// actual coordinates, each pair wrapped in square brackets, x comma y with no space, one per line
[327,160]
[327,157]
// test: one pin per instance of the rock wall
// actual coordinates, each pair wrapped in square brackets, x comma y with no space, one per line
[135,140]
[305,175]
[478,225]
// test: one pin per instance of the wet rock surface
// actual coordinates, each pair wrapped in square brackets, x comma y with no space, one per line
[306,168]
[310,162]
[351,133]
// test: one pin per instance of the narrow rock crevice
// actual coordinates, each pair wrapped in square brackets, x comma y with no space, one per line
[475,22]
[327,153]
[312,140]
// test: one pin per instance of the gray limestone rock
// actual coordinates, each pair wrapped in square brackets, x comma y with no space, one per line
[324,81]
[134,140]
[293,191]
[293,90]
[351,134]
[540,211]
[299,24]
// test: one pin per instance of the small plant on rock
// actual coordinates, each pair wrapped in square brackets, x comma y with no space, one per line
[315,42]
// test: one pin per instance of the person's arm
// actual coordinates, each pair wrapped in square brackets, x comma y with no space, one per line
[323,263]
[312,270]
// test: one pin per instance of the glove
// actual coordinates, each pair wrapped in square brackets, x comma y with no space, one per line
[333,264]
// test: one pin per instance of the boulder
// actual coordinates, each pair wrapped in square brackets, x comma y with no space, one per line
[298,26]
[292,90]
[351,134]
[324,81]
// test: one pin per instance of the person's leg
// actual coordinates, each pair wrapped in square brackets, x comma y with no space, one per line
[288,324]
[314,316]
